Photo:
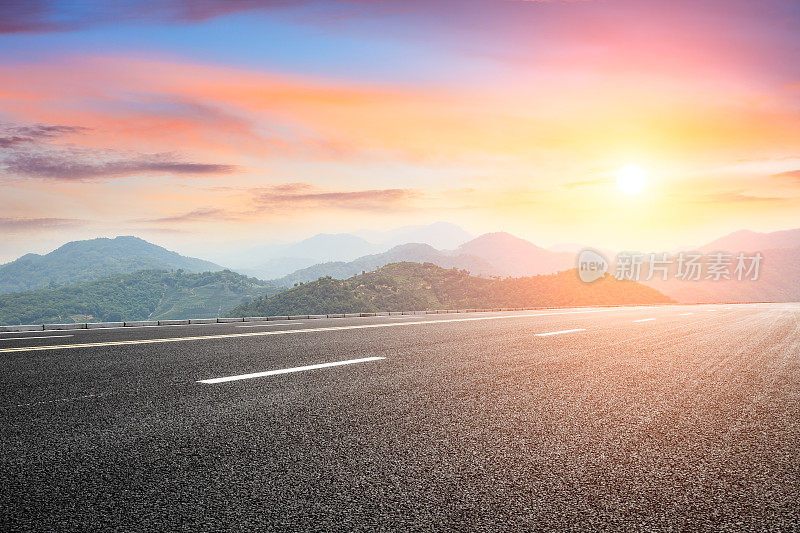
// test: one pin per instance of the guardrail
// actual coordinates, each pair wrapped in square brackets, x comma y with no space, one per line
[190,321]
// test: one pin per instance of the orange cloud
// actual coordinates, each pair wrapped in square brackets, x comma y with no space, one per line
[793,175]
[149,105]
[24,225]
[524,148]
[303,196]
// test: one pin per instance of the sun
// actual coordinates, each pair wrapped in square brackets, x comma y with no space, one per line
[631,179]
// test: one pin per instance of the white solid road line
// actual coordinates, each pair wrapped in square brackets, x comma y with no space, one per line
[683,314]
[270,325]
[559,332]
[289,370]
[644,320]
[43,337]
[293,331]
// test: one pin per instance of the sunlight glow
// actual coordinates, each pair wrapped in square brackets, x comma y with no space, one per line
[631,179]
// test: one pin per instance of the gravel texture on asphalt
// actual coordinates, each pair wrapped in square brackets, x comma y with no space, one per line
[684,422]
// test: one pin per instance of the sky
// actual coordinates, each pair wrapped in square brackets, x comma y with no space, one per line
[210,126]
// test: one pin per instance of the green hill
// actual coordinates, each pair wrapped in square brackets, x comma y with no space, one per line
[413,252]
[148,294]
[93,259]
[414,286]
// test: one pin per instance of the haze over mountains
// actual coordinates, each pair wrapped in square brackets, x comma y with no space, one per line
[512,256]
[440,235]
[413,252]
[492,254]
[406,286]
[277,260]
[751,241]
[96,262]
[779,272]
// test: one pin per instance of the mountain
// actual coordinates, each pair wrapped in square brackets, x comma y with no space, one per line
[414,286]
[278,267]
[778,281]
[752,241]
[276,260]
[567,247]
[330,247]
[414,252]
[779,272]
[87,260]
[513,256]
[441,235]
[490,254]
[147,294]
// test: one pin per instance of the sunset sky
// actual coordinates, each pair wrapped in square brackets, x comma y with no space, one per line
[207,126]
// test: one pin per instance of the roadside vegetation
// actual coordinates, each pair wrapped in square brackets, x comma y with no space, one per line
[147,294]
[414,286]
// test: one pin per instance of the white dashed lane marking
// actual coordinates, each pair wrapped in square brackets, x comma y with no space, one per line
[288,331]
[288,370]
[269,325]
[559,332]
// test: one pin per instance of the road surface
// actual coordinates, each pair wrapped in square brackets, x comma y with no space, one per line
[637,418]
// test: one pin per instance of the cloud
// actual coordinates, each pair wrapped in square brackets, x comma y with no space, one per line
[30,153]
[235,112]
[43,16]
[738,197]
[14,136]
[77,165]
[197,215]
[258,203]
[587,183]
[303,195]
[19,225]
[793,175]
[27,16]
[289,197]
[197,11]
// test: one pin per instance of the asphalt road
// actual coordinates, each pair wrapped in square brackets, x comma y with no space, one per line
[648,418]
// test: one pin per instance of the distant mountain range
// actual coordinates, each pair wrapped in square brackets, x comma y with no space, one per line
[489,255]
[502,254]
[415,253]
[492,254]
[440,235]
[779,281]
[778,277]
[277,260]
[415,286]
[321,247]
[93,259]
[512,256]
[147,294]
[751,241]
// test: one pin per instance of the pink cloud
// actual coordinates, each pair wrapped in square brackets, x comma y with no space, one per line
[151,106]
[14,225]
[304,196]
[32,152]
